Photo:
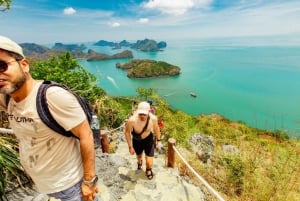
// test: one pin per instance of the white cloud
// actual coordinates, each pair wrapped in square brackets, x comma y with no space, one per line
[114,24]
[241,18]
[143,20]
[69,11]
[175,7]
[202,3]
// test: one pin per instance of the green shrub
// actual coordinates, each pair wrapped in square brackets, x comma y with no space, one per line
[235,169]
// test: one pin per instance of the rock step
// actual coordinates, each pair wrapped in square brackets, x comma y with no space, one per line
[166,184]
[119,180]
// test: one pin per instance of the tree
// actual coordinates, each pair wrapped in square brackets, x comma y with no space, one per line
[5,5]
[66,70]
[145,94]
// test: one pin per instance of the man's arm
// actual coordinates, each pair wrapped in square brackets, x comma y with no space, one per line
[85,135]
[156,130]
[128,128]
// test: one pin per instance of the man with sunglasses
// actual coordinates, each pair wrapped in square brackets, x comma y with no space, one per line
[139,136]
[62,167]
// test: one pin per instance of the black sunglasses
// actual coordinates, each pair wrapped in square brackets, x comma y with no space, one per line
[4,65]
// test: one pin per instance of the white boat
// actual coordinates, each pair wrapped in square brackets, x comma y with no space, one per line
[193,94]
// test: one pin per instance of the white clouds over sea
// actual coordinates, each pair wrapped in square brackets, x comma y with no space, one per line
[157,19]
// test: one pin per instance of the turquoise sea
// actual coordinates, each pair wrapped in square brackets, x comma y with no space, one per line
[257,83]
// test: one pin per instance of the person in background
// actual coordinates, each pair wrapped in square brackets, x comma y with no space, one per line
[161,123]
[133,107]
[161,126]
[139,136]
[152,110]
[62,167]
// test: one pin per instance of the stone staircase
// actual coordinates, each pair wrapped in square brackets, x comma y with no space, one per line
[119,180]
[166,184]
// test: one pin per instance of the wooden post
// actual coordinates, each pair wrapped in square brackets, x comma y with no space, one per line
[171,153]
[104,141]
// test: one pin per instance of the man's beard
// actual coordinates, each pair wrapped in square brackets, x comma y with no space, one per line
[15,85]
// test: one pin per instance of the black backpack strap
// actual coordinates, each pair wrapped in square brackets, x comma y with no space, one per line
[43,109]
[7,99]
[146,125]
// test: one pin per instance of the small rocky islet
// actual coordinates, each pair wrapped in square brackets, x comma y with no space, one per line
[145,68]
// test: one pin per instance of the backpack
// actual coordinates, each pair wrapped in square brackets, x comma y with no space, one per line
[44,112]
[47,118]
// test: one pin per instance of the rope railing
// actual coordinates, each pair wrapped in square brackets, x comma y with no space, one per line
[105,140]
[171,161]
[171,155]
[115,129]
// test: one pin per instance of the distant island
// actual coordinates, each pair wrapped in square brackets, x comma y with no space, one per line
[95,56]
[40,52]
[146,45]
[145,68]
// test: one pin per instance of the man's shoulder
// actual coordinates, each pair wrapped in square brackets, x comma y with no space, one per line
[132,118]
[153,116]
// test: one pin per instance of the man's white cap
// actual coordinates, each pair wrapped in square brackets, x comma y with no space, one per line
[9,45]
[143,108]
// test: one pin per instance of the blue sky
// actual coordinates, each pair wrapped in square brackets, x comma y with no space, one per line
[68,21]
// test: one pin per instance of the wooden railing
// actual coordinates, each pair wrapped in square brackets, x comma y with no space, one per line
[105,140]
[171,156]
[172,151]
[171,163]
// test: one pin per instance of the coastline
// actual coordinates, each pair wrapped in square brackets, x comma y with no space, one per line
[228,80]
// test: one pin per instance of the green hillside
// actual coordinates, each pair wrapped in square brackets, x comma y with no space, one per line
[265,167]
